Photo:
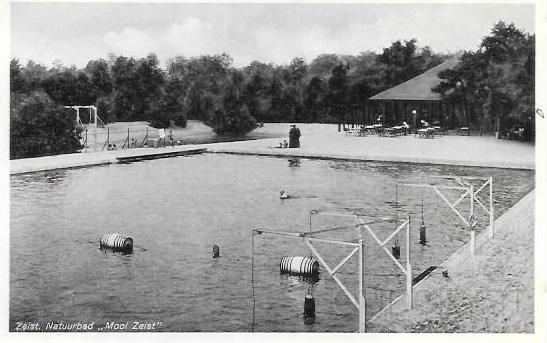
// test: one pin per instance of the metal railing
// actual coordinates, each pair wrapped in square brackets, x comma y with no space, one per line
[107,138]
[358,246]
[466,185]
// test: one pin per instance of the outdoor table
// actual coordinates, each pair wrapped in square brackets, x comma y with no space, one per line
[368,129]
[464,131]
[426,133]
[399,130]
[389,131]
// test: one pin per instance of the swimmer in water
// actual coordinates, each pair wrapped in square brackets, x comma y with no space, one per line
[284,195]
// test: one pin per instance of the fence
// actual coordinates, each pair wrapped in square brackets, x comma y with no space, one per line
[102,139]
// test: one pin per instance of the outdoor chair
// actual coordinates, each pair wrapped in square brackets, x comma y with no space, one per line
[378,128]
[440,130]
[380,131]
[428,132]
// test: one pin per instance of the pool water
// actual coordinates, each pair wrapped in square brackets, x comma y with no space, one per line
[177,208]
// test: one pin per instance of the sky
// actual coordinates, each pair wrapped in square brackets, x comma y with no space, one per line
[74,33]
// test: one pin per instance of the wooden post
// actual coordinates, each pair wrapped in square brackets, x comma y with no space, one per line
[408,268]
[362,302]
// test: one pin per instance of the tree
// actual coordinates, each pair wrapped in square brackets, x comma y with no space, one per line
[100,78]
[149,83]
[38,127]
[322,65]
[17,82]
[232,115]
[124,96]
[404,61]
[169,108]
[315,94]
[497,81]
[338,94]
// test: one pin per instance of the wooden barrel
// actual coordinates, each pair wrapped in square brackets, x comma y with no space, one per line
[117,242]
[299,265]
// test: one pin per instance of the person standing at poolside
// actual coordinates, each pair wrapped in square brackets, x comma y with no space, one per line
[294,137]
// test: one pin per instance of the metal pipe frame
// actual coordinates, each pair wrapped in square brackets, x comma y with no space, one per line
[303,236]
[351,214]
[332,272]
[382,244]
[458,177]
[471,224]
[488,182]
[360,304]
[464,188]
[452,206]
[473,195]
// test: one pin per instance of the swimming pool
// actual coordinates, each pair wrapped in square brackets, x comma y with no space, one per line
[178,208]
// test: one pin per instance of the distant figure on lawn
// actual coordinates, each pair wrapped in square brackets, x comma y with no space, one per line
[170,137]
[294,137]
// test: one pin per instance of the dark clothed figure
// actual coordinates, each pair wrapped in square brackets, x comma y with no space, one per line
[294,137]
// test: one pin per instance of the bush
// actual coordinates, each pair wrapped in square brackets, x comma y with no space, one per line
[237,121]
[39,127]
[181,120]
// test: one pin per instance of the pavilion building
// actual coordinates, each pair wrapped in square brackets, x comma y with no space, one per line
[414,100]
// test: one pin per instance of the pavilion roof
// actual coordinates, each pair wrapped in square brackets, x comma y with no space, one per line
[419,87]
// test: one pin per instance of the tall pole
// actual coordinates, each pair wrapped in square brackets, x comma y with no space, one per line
[362,303]
[95,139]
[408,268]
[471,219]
[491,209]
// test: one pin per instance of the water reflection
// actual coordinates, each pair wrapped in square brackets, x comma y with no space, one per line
[294,279]
[294,162]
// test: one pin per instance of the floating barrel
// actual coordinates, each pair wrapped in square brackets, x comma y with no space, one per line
[117,242]
[299,265]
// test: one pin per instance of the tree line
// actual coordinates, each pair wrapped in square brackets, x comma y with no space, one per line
[496,80]
[496,83]
[209,88]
